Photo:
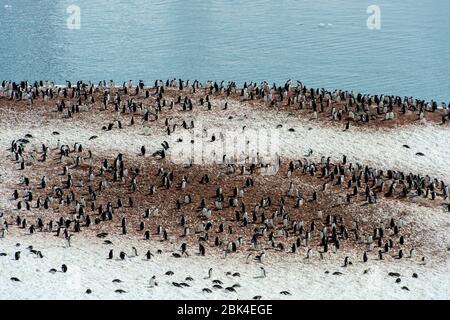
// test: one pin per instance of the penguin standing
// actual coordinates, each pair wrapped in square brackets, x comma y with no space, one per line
[260,258]
[152,282]
[148,255]
[263,272]
[183,249]
[209,273]
[202,249]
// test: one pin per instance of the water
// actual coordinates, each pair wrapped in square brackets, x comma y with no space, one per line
[233,40]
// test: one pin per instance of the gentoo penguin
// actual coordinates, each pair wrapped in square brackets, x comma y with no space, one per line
[111,254]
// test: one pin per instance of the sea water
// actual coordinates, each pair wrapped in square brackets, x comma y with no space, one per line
[323,43]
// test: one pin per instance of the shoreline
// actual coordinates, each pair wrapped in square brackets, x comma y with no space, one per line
[238,83]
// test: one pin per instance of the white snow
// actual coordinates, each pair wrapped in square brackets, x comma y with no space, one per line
[304,279]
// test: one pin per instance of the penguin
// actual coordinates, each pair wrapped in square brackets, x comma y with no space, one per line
[260,258]
[183,249]
[263,272]
[201,249]
[148,255]
[67,237]
[111,254]
[294,248]
[346,262]
[308,253]
[209,273]
[43,182]
[152,282]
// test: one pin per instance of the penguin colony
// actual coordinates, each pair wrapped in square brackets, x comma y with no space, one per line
[310,207]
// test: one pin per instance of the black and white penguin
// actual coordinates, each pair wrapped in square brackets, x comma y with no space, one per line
[380,255]
[148,255]
[201,249]
[209,273]
[183,249]
[152,282]
[261,257]
[263,272]
[346,262]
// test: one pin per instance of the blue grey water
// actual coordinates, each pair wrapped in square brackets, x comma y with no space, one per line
[323,43]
